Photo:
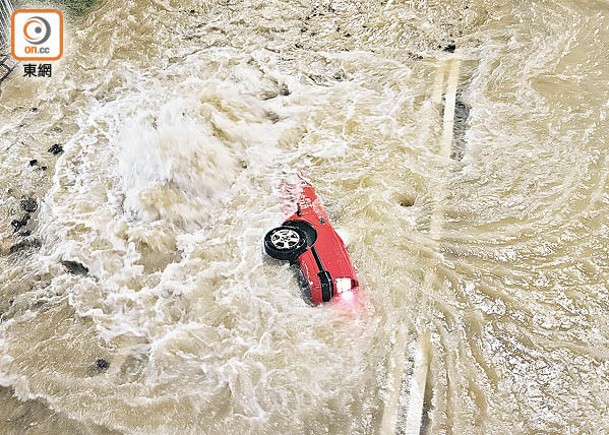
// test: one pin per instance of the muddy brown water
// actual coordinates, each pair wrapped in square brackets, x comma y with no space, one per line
[177,119]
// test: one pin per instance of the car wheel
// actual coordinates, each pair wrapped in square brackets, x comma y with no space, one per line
[306,228]
[285,243]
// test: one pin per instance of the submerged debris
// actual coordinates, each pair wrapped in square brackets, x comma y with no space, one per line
[29,205]
[339,75]
[406,202]
[102,364]
[17,224]
[75,267]
[450,48]
[273,117]
[462,110]
[35,163]
[269,95]
[282,90]
[25,244]
[56,149]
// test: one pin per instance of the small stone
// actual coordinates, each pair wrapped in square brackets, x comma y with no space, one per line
[269,95]
[75,267]
[284,90]
[56,149]
[273,117]
[29,204]
[339,75]
[102,365]
[34,109]
[25,244]
[450,48]
[20,223]
[33,162]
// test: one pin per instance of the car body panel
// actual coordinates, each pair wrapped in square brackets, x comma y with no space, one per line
[327,258]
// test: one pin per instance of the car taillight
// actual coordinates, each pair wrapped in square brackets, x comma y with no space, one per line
[343,285]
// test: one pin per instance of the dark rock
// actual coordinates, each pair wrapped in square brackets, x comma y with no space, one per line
[450,48]
[75,267]
[24,233]
[56,149]
[192,11]
[269,95]
[461,118]
[102,365]
[34,109]
[317,79]
[29,205]
[273,117]
[25,244]
[339,75]
[35,162]
[284,90]
[20,223]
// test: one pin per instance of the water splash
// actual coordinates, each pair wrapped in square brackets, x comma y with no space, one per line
[201,332]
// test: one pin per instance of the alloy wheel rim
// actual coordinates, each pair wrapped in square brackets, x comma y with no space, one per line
[285,238]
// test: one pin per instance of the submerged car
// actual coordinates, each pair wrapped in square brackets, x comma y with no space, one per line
[308,239]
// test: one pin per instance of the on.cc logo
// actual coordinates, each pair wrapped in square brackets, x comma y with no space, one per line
[37,34]
[37,30]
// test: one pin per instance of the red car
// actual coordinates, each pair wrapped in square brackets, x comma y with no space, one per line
[308,239]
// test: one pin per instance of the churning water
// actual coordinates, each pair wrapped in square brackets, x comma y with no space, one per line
[177,119]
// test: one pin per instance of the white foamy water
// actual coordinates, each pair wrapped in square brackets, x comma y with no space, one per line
[178,120]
